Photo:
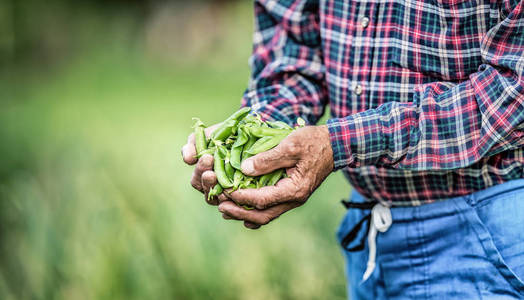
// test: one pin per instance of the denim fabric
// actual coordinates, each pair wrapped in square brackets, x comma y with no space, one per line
[468,247]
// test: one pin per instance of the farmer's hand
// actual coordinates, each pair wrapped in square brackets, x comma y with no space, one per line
[203,178]
[308,157]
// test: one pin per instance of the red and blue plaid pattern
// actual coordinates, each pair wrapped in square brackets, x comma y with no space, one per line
[426,96]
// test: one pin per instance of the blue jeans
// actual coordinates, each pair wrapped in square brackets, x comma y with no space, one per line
[469,247]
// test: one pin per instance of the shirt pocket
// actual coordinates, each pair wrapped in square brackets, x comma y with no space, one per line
[439,39]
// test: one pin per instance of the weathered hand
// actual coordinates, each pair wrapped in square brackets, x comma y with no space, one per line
[308,158]
[203,178]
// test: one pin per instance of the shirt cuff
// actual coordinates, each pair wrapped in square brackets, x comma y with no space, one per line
[339,137]
[357,140]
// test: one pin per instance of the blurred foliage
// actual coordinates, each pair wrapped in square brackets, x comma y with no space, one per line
[95,202]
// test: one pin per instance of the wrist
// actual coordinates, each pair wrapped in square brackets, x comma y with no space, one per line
[327,148]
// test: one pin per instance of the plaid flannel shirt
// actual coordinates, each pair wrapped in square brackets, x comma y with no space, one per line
[426,96]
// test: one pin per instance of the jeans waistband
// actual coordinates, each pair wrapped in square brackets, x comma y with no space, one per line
[427,211]
[443,207]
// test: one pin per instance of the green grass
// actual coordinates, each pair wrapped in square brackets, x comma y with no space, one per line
[96,201]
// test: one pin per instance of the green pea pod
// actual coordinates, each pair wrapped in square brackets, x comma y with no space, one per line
[257,144]
[224,131]
[248,181]
[279,125]
[265,143]
[228,127]
[237,147]
[200,136]
[266,131]
[252,140]
[240,114]
[252,121]
[207,151]
[275,177]
[215,191]
[242,138]
[219,169]
[238,177]
[230,171]
[264,179]
[248,207]
[236,156]
[211,144]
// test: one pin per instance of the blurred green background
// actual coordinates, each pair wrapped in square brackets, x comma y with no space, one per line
[96,102]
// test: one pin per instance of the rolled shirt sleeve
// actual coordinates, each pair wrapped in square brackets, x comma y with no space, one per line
[287,79]
[447,125]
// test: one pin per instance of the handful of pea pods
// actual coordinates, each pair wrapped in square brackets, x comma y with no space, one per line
[239,137]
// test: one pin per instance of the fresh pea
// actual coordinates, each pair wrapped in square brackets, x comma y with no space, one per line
[264,179]
[238,177]
[279,125]
[242,138]
[270,179]
[248,182]
[236,156]
[207,151]
[219,169]
[266,131]
[257,144]
[229,126]
[252,140]
[237,148]
[230,171]
[275,177]
[265,143]
[240,114]
[253,120]
[200,136]
[224,131]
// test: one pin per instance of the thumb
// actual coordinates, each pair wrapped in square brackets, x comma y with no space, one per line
[268,161]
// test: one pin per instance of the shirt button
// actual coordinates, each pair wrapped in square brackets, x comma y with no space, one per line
[357,90]
[364,22]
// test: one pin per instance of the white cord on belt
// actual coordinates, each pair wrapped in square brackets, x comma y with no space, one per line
[380,220]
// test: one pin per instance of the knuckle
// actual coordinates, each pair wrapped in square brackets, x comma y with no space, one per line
[301,194]
[259,162]
[206,161]
[208,177]
[195,184]
[222,197]
[201,167]
[263,203]
[265,219]
[292,147]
